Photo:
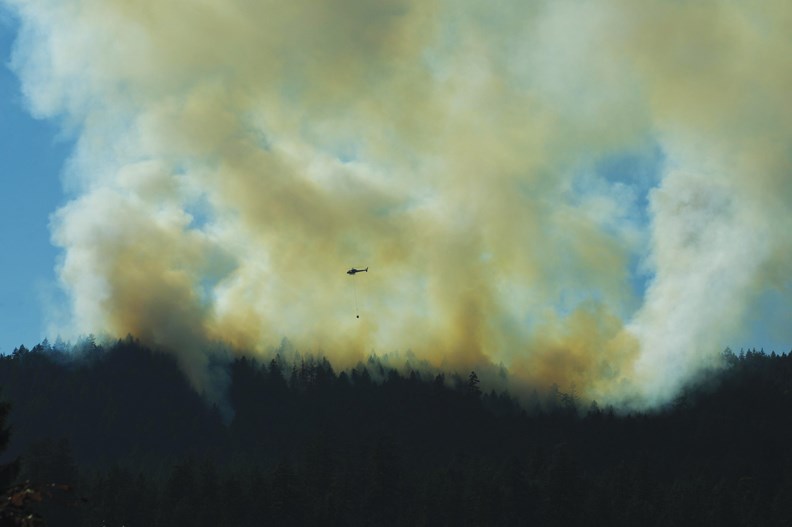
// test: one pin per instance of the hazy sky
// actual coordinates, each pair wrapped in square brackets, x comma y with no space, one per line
[588,193]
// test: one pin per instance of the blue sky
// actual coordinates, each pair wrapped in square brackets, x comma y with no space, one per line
[31,157]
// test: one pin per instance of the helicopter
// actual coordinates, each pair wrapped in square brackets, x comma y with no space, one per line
[353,272]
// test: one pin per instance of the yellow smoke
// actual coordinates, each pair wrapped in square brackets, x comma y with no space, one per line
[236,157]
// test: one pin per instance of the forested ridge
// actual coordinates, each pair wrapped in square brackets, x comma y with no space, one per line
[295,442]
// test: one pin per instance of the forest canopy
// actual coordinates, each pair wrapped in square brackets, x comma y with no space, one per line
[301,443]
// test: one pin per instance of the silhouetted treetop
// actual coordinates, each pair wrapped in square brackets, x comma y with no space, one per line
[299,442]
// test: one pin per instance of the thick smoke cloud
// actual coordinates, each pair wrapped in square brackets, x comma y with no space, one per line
[234,158]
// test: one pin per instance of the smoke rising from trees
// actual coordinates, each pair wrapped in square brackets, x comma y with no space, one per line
[235,157]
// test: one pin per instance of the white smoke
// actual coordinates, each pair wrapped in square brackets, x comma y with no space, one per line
[236,157]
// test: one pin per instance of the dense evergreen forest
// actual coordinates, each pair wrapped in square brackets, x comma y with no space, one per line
[298,443]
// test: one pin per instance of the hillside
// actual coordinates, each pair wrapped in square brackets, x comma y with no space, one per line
[301,443]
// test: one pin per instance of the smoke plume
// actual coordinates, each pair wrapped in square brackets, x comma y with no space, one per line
[590,194]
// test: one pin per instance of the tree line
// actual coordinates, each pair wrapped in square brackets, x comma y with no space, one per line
[295,442]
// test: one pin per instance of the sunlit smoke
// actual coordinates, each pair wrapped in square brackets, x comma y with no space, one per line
[590,194]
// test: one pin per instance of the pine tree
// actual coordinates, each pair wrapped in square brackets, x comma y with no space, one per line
[9,471]
[473,385]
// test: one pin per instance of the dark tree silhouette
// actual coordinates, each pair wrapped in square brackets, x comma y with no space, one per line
[300,443]
[8,471]
[473,385]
